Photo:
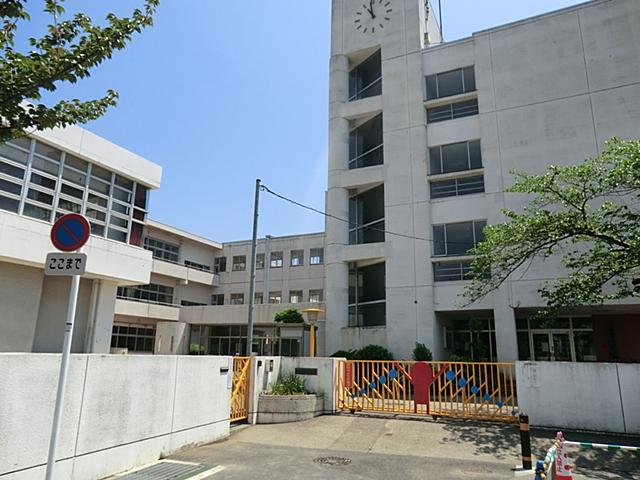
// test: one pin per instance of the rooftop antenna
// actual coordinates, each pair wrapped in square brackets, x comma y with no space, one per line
[440,14]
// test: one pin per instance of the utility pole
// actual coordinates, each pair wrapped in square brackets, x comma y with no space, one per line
[440,14]
[252,282]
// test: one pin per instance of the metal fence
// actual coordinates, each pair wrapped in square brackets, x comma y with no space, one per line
[240,389]
[454,389]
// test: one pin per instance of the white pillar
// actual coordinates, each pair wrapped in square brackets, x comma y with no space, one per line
[505,320]
[103,306]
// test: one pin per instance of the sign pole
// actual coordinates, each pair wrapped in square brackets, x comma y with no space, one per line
[62,379]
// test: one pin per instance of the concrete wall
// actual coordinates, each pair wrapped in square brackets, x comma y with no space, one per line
[586,396]
[120,411]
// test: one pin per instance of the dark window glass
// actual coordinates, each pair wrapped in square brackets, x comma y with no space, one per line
[117,235]
[76,163]
[475,155]
[37,212]
[43,181]
[44,165]
[47,151]
[100,172]
[217,299]
[457,238]
[368,315]
[439,242]
[457,187]
[367,295]
[9,204]
[455,157]
[365,144]
[74,192]
[451,271]
[524,350]
[97,229]
[10,187]
[452,111]
[141,197]
[239,263]
[97,200]
[365,80]
[11,170]
[40,197]
[450,83]
[119,222]
[220,264]
[73,176]
[366,216]
[11,153]
[99,186]
[96,214]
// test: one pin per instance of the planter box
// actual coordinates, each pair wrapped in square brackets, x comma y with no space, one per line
[289,408]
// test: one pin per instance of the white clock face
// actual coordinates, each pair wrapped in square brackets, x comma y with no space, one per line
[372,16]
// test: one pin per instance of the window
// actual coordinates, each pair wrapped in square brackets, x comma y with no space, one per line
[295,296]
[365,144]
[367,296]
[160,249]
[366,217]
[232,340]
[297,258]
[316,256]
[135,338]
[189,303]
[276,260]
[365,80]
[471,338]
[452,111]
[316,296]
[454,82]
[239,263]
[217,299]
[457,187]
[152,293]
[275,297]
[451,271]
[259,261]
[197,266]
[455,157]
[258,298]
[220,264]
[237,299]
[454,239]
[568,339]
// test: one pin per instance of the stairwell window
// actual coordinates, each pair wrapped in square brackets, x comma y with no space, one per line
[453,82]
[367,296]
[366,217]
[365,80]
[365,144]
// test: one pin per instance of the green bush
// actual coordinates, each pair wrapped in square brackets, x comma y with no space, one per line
[421,353]
[373,352]
[289,385]
[290,315]
[348,354]
[458,358]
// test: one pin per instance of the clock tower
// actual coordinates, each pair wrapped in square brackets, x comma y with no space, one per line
[377,276]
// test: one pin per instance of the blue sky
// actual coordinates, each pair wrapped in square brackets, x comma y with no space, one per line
[222,92]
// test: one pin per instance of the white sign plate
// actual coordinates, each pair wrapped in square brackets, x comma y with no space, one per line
[60,264]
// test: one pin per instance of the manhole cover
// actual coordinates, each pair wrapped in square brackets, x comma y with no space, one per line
[166,470]
[333,460]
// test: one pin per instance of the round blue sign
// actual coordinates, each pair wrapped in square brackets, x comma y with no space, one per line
[70,232]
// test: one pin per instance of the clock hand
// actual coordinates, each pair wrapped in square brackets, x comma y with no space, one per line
[373,15]
[368,9]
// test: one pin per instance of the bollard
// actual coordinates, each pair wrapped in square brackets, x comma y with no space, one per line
[525,442]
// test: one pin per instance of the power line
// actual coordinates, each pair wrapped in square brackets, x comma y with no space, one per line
[351,224]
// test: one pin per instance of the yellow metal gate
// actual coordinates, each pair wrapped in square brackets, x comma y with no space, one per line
[454,389]
[240,390]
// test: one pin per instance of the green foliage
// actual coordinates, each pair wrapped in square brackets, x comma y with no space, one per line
[587,214]
[458,358]
[348,354]
[66,53]
[290,315]
[289,385]
[370,352]
[373,352]
[421,353]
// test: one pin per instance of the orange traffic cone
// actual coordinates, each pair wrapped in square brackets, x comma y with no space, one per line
[563,469]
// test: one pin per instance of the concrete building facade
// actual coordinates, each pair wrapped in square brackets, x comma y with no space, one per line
[422,137]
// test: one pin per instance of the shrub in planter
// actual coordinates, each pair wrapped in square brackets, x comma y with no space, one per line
[373,352]
[290,315]
[348,354]
[421,353]
[289,385]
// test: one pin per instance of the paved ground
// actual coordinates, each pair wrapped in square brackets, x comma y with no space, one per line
[382,448]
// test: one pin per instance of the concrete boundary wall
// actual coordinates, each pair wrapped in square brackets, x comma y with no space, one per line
[120,411]
[320,376]
[601,397]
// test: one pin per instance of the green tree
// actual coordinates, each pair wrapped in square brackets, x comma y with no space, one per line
[66,53]
[290,315]
[421,353]
[587,214]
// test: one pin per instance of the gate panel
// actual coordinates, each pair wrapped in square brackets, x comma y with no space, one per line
[455,389]
[240,389]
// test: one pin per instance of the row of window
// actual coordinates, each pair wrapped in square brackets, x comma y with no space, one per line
[232,340]
[276,260]
[295,296]
[42,182]
[169,252]
[135,338]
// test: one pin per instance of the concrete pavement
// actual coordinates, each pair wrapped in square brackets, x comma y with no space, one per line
[383,448]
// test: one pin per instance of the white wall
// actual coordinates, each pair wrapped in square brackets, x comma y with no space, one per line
[586,396]
[120,411]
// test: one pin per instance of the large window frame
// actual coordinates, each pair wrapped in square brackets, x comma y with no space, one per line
[239,263]
[363,227]
[316,256]
[455,157]
[456,187]
[162,249]
[150,293]
[367,303]
[452,111]
[437,83]
[136,338]
[362,155]
[365,79]
[297,258]
[451,248]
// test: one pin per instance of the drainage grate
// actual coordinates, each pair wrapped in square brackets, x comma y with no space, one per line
[166,470]
[339,461]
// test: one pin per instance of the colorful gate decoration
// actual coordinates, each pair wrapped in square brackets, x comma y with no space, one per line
[240,389]
[453,389]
